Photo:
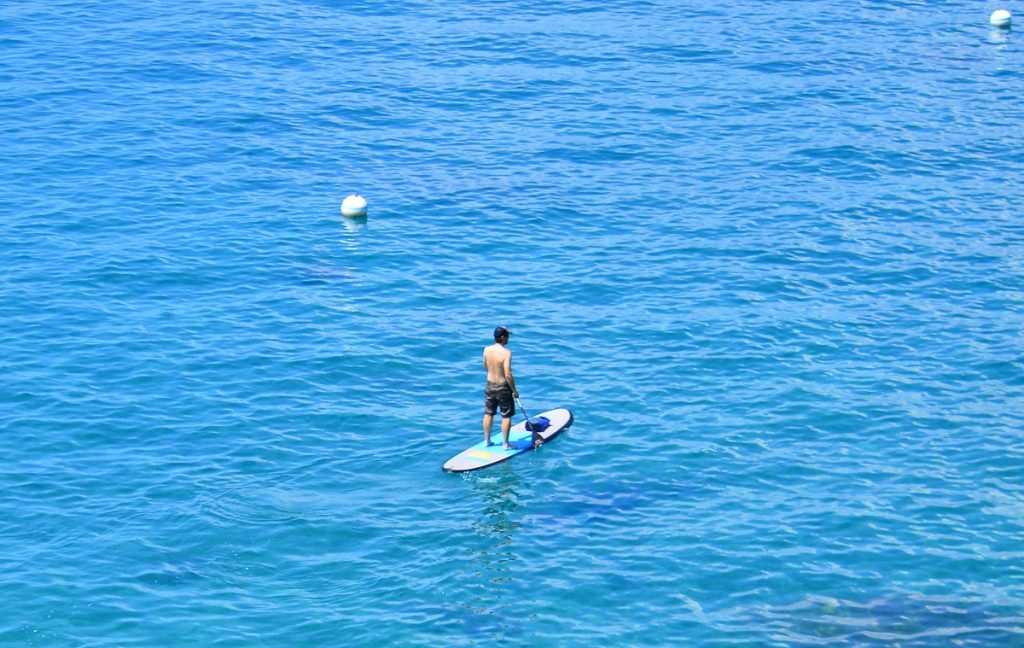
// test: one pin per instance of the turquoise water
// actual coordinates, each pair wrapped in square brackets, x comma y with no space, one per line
[770,254]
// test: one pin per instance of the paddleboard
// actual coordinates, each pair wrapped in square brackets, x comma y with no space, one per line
[519,439]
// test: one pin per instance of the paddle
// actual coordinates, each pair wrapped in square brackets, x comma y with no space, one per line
[534,436]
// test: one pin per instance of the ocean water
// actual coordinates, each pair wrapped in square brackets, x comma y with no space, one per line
[771,254]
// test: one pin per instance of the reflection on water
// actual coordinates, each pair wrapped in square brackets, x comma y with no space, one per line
[499,494]
[355,224]
[998,36]
[491,609]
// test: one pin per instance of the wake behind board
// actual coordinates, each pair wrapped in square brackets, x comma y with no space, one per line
[519,439]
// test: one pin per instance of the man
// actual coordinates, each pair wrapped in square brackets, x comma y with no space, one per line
[501,386]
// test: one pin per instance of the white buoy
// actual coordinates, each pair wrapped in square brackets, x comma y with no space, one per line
[353,206]
[1000,18]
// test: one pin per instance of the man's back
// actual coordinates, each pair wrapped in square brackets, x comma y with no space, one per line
[498,362]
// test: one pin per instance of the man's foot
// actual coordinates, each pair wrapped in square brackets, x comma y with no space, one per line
[507,446]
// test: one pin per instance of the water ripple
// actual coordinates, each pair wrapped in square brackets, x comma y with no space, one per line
[774,272]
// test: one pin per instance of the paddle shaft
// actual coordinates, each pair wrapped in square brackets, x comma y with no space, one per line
[534,437]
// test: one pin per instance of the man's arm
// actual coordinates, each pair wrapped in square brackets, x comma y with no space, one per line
[508,374]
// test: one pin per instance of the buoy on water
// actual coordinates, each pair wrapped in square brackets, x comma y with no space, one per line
[1000,18]
[353,206]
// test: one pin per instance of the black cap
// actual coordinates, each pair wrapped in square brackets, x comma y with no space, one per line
[501,332]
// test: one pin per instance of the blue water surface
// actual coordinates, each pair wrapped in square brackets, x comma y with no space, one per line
[771,254]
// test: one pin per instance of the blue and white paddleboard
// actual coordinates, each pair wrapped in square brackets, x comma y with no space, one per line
[519,439]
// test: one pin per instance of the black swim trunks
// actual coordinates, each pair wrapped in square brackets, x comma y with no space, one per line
[499,395]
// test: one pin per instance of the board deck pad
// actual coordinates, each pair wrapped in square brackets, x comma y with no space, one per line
[520,440]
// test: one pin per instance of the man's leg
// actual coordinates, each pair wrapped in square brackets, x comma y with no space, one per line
[506,425]
[488,418]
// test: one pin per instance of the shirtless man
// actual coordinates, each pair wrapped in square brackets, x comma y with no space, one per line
[501,386]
